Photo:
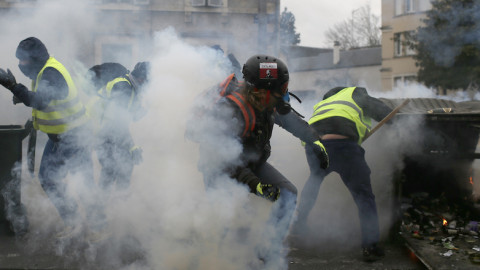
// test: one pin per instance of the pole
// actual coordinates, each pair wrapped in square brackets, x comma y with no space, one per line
[384,120]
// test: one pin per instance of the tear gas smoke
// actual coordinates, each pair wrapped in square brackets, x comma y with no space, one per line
[165,220]
[334,219]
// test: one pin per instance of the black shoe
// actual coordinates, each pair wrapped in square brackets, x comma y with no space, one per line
[373,253]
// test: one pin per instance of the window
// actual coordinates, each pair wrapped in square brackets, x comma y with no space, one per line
[199,3]
[409,79]
[408,43]
[397,39]
[402,43]
[207,3]
[399,81]
[408,6]
[215,3]
[121,53]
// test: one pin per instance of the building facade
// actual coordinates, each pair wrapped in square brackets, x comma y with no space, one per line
[400,19]
[377,68]
[334,67]
[126,28]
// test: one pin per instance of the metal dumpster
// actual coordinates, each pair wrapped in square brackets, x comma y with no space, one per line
[12,212]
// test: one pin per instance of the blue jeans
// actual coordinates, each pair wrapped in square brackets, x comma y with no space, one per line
[58,159]
[347,158]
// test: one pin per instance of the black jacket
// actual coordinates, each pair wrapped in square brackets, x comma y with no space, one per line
[51,86]
[256,146]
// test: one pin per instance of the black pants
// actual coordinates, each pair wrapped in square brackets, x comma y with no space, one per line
[347,158]
[283,209]
[266,172]
[269,175]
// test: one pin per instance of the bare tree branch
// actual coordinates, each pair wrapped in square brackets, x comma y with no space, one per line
[362,29]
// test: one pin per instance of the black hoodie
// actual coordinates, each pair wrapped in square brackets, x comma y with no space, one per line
[51,86]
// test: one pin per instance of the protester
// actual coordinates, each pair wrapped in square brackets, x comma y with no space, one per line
[57,111]
[119,102]
[244,113]
[342,119]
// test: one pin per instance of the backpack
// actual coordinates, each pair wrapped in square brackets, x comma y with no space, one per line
[101,74]
[227,89]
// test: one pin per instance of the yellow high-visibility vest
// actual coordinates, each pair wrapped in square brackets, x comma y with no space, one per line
[342,104]
[107,91]
[97,105]
[60,115]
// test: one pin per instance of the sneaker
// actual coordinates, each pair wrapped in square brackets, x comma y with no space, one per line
[67,232]
[372,253]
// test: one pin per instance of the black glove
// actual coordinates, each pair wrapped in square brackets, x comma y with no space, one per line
[136,153]
[7,79]
[321,153]
[268,191]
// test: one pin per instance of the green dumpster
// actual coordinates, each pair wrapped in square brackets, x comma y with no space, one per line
[12,212]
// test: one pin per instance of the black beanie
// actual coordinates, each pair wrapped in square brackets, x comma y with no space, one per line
[32,49]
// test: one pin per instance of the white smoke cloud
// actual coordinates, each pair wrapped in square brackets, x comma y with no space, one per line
[165,220]
[334,220]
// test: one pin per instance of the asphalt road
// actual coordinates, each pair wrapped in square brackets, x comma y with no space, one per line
[397,256]
[16,254]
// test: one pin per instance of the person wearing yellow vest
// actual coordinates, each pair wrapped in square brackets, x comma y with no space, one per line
[234,137]
[100,75]
[57,111]
[342,119]
[116,150]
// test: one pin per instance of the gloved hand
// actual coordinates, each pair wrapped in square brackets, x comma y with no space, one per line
[321,153]
[136,153]
[268,191]
[7,79]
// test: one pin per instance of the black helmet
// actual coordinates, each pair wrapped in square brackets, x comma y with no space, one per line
[141,70]
[266,72]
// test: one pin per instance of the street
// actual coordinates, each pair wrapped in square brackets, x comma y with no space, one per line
[17,254]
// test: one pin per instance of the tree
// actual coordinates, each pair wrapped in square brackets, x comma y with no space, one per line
[448,45]
[287,31]
[362,29]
